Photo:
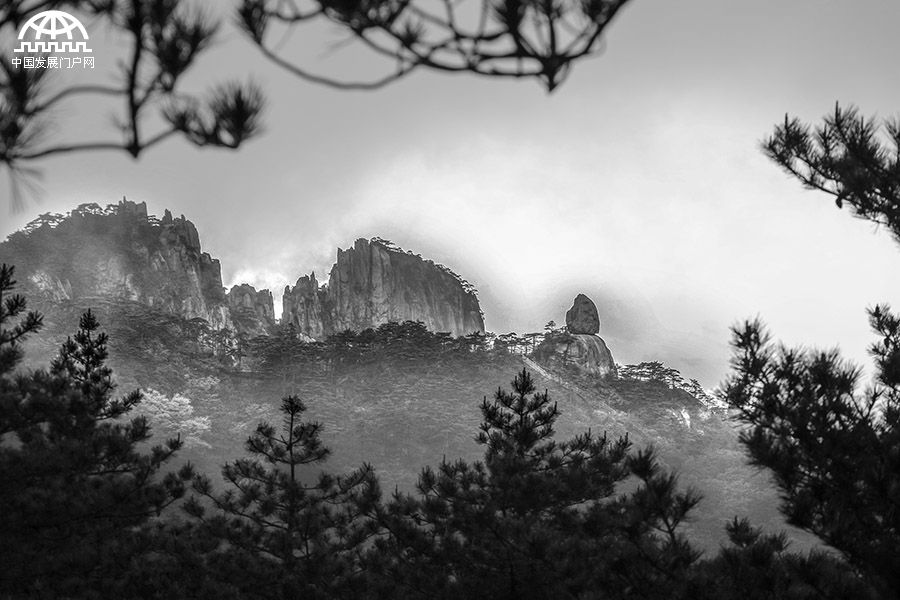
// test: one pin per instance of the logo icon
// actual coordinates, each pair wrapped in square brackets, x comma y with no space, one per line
[55,32]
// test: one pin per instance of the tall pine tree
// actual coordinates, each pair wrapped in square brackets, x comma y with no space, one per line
[537,518]
[284,531]
[75,485]
[833,445]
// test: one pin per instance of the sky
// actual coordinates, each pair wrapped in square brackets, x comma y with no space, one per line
[639,182]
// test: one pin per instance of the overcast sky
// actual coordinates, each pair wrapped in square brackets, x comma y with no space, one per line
[639,182]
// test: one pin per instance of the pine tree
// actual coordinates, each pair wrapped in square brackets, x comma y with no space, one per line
[833,446]
[164,39]
[75,486]
[537,518]
[849,157]
[512,39]
[834,450]
[283,532]
[759,566]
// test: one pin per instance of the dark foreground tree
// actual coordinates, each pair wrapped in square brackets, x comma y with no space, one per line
[284,531]
[74,485]
[759,566]
[833,448]
[538,518]
[832,445]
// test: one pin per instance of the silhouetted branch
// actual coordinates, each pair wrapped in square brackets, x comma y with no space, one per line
[850,157]
[505,38]
[164,40]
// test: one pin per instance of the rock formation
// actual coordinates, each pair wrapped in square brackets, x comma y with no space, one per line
[375,282]
[582,318]
[253,312]
[119,253]
[305,308]
[579,346]
[589,354]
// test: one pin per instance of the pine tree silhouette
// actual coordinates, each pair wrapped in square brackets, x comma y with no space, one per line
[285,533]
[75,486]
[832,445]
[537,518]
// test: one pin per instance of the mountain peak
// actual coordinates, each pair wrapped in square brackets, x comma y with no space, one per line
[121,253]
[374,282]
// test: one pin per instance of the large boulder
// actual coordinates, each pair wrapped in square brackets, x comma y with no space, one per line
[582,318]
[578,346]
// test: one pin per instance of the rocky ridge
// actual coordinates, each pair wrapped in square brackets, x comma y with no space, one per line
[374,282]
[121,253]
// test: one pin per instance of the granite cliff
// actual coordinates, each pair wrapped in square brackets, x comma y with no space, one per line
[252,311]
[120,253]
[375,282]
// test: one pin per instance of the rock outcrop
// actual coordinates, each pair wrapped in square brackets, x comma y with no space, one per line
[589,354]
[582,318]
[119,253]
[253,312]
[579,346]
[375,282]
[305,307]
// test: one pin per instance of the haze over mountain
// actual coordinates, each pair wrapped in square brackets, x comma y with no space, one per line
[638,188]
[120,253]
[630,319]
[212,362]
[639,182]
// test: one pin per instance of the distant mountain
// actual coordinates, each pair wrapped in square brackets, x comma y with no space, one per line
[375,282]
[121,253]
[399,395]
